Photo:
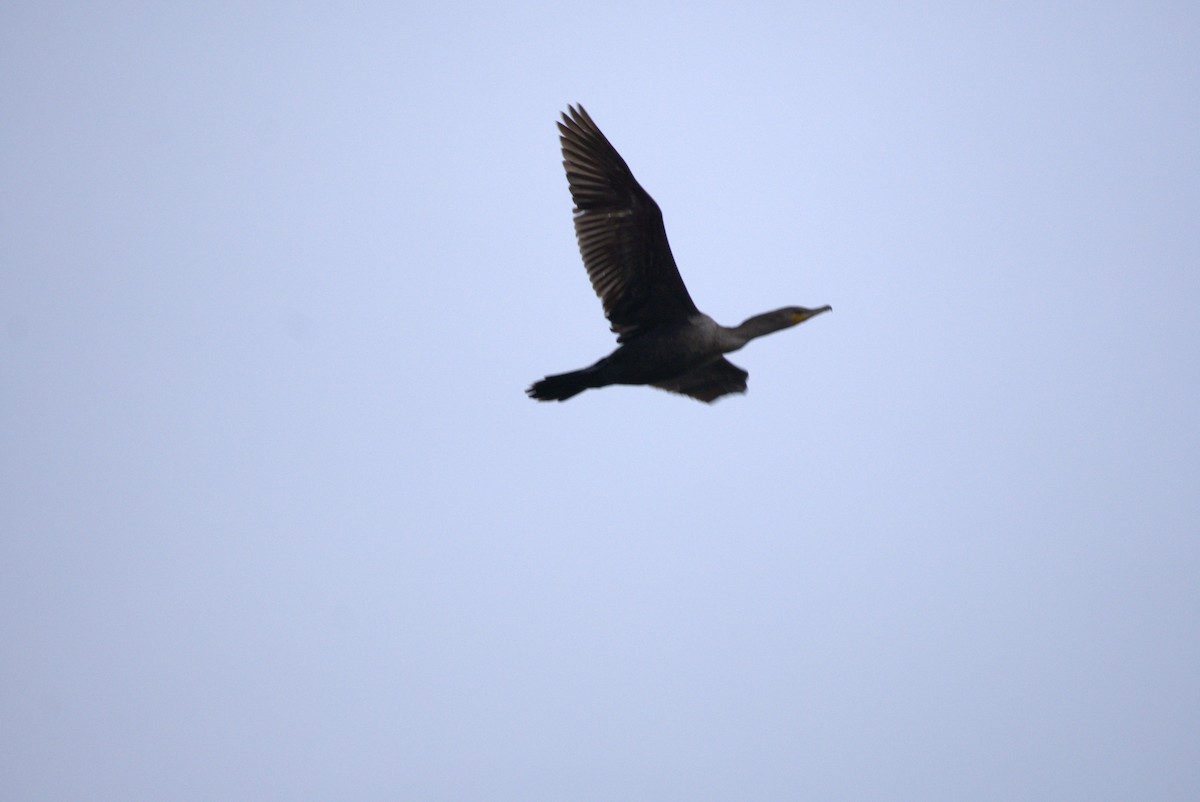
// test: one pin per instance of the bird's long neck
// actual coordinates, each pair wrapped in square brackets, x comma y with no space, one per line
[757,326]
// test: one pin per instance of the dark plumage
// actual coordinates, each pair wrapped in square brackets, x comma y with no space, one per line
[665,341]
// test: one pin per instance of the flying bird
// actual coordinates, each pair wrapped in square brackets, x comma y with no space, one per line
[664,340]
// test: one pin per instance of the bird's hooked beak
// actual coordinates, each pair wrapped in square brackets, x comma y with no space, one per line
[801,314]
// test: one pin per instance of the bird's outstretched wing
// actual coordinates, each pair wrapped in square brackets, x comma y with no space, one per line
[708,382]
[621,234]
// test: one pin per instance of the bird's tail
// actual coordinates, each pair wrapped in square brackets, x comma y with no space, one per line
[562,386]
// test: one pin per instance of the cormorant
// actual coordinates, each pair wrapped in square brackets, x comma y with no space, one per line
[665,341]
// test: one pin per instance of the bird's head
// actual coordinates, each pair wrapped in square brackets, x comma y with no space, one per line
[778,319]
[798,314]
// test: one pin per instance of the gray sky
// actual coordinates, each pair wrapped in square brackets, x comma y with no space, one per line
[277,521]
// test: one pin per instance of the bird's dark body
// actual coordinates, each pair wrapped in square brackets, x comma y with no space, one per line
[662,355]
[665,341]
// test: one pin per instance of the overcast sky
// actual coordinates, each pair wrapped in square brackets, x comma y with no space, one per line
[277,521]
